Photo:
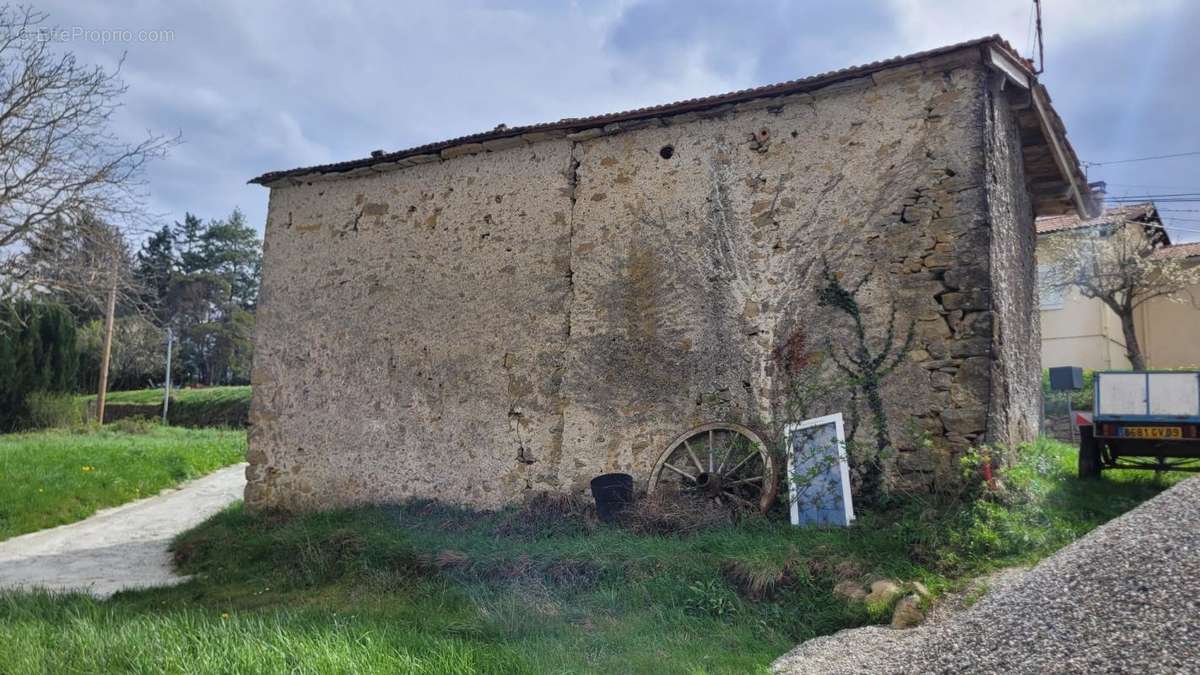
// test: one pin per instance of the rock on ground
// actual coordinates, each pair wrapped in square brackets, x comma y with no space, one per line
[119,548]
[1125,598]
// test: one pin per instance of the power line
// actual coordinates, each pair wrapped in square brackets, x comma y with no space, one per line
[1156,199]
[1142,159]
[1156,187]
[1173,227]
[1156,195]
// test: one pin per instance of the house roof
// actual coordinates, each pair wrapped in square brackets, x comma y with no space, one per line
[1052,168]
[1143,211]
[1188,250]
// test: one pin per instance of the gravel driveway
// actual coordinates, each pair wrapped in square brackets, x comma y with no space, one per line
[118,548]
[1123,599]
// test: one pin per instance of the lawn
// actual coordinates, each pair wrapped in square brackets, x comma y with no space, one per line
[154,396]
[59,476]
[201,407]
[425,588]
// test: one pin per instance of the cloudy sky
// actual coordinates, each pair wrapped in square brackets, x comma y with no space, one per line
[258,86]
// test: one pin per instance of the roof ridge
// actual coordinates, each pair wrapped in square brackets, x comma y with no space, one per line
[678,107]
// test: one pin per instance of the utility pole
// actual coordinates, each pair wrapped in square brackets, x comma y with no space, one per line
[167,385]
[109,313]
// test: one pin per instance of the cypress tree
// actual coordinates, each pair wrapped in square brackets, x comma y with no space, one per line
[37,354]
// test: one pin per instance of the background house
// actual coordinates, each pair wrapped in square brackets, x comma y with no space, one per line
[1079,331]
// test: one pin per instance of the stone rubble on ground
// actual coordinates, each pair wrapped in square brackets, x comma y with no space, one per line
[1123,599]
[883,590]
[908,613]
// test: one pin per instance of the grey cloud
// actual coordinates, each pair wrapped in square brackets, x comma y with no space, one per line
[256,86]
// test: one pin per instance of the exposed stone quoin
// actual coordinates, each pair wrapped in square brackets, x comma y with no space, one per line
[526,308]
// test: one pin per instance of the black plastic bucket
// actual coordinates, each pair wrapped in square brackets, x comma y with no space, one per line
[613,492]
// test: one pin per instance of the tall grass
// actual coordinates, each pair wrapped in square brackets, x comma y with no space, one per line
[54,477]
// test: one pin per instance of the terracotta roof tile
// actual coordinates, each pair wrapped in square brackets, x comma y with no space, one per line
[1071,222]
[1188,250]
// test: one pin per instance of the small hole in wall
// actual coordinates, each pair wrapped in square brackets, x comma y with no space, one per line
[667,151]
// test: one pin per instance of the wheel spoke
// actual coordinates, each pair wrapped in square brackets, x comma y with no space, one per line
[744,502]
[749,457]
[692,454]
[726,467]
[667,465]
[710,450]
[725,459]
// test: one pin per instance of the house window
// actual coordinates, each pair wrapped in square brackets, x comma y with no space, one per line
[1050,297]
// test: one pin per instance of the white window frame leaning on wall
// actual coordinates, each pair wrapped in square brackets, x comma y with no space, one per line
[838,471]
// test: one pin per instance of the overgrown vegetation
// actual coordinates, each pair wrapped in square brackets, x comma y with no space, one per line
[49,478]
[423,587]
[1056,401]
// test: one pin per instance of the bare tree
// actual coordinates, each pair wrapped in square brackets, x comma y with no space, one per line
[87,262]
[58,154]
[1118,264]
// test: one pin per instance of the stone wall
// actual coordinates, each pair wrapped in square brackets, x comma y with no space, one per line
[525,317]
[1016,393]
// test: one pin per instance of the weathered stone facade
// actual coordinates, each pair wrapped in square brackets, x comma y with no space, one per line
[525,312]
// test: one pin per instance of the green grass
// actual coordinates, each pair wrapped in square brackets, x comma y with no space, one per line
[54,477]
[154,396]
[422,587]
[207,407]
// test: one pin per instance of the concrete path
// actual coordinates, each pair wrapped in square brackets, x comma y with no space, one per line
[119,548]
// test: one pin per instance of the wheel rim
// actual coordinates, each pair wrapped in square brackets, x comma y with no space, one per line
[722,461]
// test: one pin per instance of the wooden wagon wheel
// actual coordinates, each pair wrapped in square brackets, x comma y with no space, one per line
[722,461]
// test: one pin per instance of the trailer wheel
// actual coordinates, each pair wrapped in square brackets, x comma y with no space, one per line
[1089,453]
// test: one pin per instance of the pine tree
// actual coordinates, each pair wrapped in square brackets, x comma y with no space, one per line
[156,263]
[187,239]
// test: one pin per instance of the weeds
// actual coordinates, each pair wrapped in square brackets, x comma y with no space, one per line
[712,598]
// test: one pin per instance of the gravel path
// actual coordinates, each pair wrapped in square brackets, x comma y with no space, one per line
[118,548]
[1123,599]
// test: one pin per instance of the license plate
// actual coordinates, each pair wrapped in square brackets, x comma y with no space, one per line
[1152,432]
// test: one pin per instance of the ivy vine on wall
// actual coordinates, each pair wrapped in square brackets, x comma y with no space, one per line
[864,365]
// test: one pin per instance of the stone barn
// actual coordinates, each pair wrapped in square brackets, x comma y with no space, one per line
[525,308]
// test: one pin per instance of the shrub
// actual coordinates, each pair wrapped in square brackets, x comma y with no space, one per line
[37,354]
[1056,401]
[44,410]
